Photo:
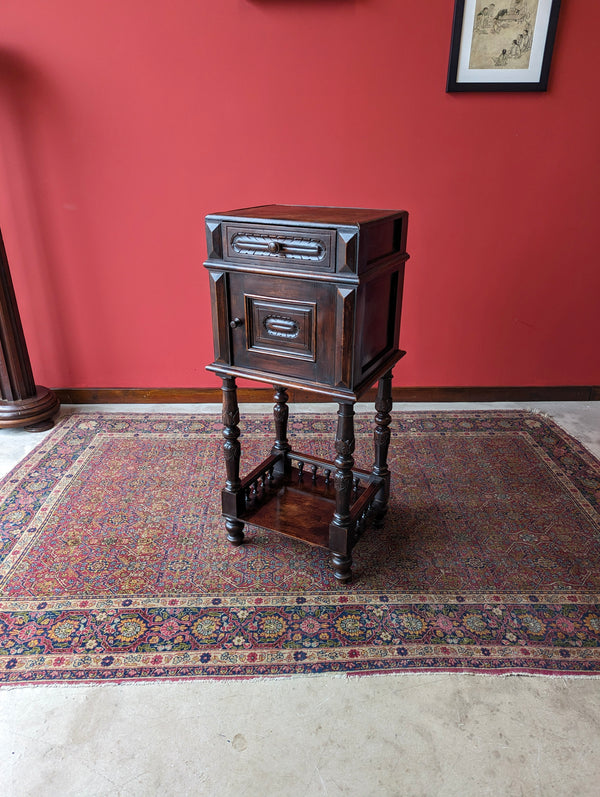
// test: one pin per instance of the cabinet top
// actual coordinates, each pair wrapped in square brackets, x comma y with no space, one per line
[309,214]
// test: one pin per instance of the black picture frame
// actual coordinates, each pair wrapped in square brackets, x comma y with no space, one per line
[478,59]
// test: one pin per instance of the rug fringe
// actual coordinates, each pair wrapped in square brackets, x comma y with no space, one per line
[347,676]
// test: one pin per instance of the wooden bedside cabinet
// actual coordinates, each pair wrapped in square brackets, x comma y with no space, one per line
[310,298]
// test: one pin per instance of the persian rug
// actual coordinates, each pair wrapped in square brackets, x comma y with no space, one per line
[115,563]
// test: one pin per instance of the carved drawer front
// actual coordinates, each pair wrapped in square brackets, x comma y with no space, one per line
[290,247]
[281,325]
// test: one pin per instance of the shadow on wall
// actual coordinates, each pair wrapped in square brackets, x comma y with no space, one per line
[29,111]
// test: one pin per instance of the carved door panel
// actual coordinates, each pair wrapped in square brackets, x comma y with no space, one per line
[283,326]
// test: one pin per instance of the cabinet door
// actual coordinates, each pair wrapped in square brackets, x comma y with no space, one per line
[283,326]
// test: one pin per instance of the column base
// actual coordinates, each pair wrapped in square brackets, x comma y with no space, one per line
[33,414]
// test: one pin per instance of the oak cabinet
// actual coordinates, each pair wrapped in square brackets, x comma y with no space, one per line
[310,298]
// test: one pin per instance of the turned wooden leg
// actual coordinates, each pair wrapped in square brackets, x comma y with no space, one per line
[280,417]
[382,435]
[232,496]
[340,531]
[342,566]
[235,531]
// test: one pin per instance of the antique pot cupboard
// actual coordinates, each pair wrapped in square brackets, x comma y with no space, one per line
[309,298]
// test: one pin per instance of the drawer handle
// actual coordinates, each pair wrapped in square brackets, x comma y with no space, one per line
[281,327]
[237,322]
[273,247]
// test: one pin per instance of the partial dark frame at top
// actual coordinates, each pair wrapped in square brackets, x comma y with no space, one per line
[453,85]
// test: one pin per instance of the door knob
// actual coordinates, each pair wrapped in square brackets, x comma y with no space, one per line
[237,322]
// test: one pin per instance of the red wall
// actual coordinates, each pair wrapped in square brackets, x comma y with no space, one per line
[123,123]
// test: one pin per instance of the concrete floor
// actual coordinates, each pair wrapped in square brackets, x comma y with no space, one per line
[371,736]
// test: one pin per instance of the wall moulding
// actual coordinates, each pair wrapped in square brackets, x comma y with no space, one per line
[253,395]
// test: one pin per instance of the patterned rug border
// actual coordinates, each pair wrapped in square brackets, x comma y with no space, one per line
[238,661]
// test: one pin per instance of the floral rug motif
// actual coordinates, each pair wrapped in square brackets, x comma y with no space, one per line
[114,563]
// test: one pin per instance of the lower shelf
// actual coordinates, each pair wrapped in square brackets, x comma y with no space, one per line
[299,508]
[302,506]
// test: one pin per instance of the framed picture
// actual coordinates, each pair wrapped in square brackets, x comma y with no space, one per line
[502,46]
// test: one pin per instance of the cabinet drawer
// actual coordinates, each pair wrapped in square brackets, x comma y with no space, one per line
[284,326]
[274,247]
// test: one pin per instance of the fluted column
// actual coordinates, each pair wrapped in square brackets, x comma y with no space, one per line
[22,402]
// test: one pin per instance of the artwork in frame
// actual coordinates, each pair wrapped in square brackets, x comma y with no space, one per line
[502,46]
